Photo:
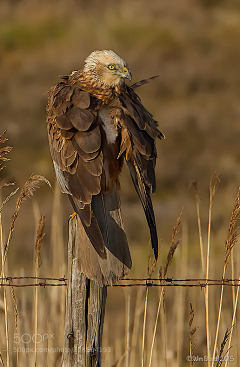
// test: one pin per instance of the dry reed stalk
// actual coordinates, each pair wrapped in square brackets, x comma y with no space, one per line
[194,184]
[56,239]
[4,295]
[150,270]
[15,318]
[173,246]
[39,240]
[232,276]
[7,199]
[3,152]
[233,231]
[191,333]
[224,342]
[137,313]
[232,325]
[212,190]
[58,269]
[151,263]
[151,317]
[119,360]
[27,191]
[218,320]
[36,311]
[6,184]
[144,326]
[181,294]
[168,262]
[163,323]
[24,320]
[127,325]
[38,245]
[155,327]
[232,238]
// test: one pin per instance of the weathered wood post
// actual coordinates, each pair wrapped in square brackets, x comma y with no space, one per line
[84,311]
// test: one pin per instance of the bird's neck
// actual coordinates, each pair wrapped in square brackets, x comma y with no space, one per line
[95,87]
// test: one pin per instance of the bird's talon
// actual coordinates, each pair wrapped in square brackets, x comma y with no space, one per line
[72,216]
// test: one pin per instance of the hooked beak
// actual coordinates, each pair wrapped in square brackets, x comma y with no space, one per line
[126,74]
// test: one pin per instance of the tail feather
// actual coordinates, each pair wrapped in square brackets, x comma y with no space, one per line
[117,260]
[106,208]
[143,192]
[92,230]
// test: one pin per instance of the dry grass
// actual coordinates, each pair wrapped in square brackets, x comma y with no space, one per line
[151,317]
[232,238]
[38,245]
[212,190]
[194,47]
[192,331]
[232,325]
[221,355]
[27,191]
[166,341]
[16,318]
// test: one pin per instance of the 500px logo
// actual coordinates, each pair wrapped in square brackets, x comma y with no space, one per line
[35,338]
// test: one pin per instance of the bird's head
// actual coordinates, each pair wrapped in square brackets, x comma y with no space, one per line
[107,67]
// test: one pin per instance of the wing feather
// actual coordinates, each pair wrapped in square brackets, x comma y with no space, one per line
[144,195]
[64,122]
[75,145]
[94,166]
[81,99]
[68,149]
[142,130]
[67,134]
[79,149]
[81,119]
[70,160]
[87,157]
[89,141]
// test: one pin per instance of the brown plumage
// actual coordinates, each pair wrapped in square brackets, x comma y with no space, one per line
[95,122]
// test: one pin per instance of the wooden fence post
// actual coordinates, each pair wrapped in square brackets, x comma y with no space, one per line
[84,312]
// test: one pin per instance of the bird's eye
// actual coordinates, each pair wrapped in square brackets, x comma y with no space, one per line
[125,69]
[111,67]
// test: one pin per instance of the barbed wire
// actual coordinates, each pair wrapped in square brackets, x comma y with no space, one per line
[125,282]
[43,282]
[171,282]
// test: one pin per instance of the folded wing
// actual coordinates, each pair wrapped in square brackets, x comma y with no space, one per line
[138,145]
[77,147]
[75,144]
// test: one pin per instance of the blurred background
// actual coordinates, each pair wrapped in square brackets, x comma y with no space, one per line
[194,48]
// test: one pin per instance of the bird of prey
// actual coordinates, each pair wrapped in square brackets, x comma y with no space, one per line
[95,122]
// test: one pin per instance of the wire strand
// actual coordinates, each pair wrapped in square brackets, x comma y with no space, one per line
[131,282]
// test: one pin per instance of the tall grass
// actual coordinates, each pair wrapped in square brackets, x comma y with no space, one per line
[157,327]
[17,305]
[166,347]
[191,333]
[212,190]
[38,245]
[232,238]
